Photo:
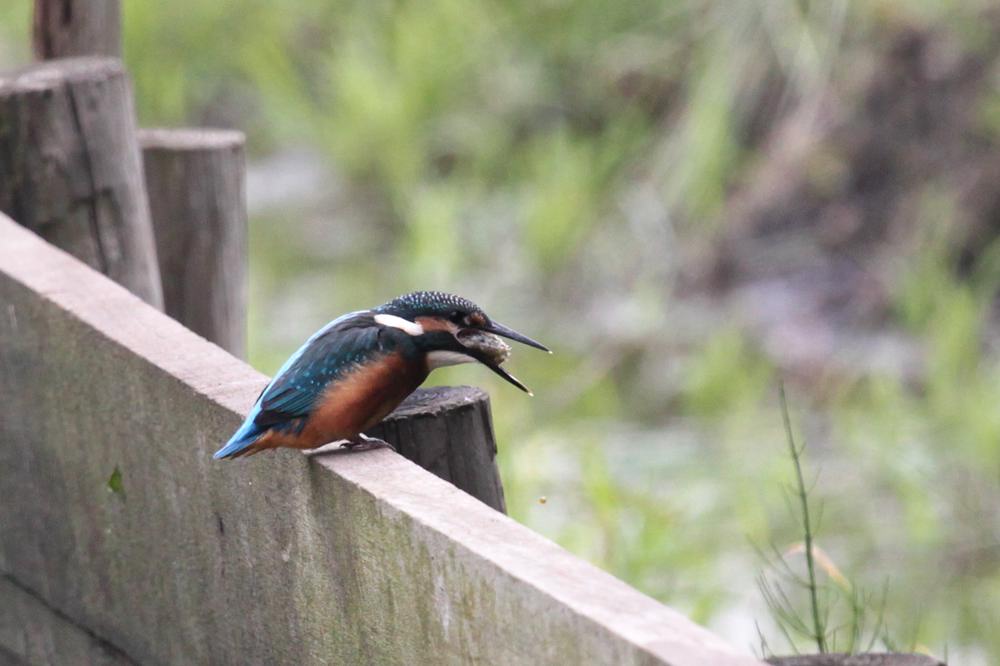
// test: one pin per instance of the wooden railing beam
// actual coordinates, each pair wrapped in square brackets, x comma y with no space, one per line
[118,520]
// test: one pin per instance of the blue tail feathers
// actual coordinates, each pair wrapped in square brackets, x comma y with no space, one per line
[241,439]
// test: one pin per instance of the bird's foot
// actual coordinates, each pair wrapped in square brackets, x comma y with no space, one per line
[365,443]
[326,448]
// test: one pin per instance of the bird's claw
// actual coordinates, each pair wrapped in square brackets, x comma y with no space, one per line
[364,443]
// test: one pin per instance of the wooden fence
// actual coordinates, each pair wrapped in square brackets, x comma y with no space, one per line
[123,541]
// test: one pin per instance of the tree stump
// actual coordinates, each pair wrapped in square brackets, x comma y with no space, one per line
[195,179]
[66,28]
[70,168]
[448,430]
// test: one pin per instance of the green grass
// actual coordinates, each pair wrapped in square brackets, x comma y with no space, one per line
[819,609]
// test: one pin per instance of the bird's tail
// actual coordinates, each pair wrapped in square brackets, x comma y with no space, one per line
[241,440]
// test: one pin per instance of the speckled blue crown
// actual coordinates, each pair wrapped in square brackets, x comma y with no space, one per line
[432,303]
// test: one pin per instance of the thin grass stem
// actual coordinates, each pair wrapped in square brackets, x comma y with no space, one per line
[819,631]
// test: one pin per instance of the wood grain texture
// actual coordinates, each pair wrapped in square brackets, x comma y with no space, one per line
[67,28]
[448,430]
[195,179]
[70,167]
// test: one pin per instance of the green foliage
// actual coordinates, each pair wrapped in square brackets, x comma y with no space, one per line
[725,376]
[835,616]
[15,26]
[437,105]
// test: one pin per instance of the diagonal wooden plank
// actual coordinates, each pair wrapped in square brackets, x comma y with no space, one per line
[351,559]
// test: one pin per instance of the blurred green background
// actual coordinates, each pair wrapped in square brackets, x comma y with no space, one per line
[686,200]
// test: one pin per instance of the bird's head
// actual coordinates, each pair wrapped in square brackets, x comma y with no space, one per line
[452,330]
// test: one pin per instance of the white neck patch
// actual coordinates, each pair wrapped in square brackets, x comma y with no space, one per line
[410,327]
[439,359]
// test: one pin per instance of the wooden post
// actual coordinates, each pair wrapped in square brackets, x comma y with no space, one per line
[70,168]
[196,184]
[448,430]
[66,28]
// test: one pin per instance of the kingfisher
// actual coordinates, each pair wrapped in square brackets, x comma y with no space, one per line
[355,370]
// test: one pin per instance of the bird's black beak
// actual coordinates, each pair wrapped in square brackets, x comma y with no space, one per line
[500,329]
[506,375]
[490,350]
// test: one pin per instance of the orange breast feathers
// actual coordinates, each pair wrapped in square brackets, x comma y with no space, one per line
[360,399]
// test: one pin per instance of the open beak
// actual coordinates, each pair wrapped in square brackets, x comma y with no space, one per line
[491,351]
[510,333]
[490,355]
[506,375]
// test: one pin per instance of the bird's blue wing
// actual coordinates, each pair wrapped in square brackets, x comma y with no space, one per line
[328,356]
[300,382]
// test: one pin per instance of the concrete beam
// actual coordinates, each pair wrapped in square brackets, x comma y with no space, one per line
[351,558]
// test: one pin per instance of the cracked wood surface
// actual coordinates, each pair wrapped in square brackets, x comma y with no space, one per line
[342,558]
[70,168]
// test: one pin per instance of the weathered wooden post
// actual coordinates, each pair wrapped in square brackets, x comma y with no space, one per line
[66,28]
[448,431]
[196,185]
[70,168]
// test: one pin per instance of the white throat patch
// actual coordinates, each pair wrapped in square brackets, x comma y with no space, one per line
[439,359]
[410,327]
